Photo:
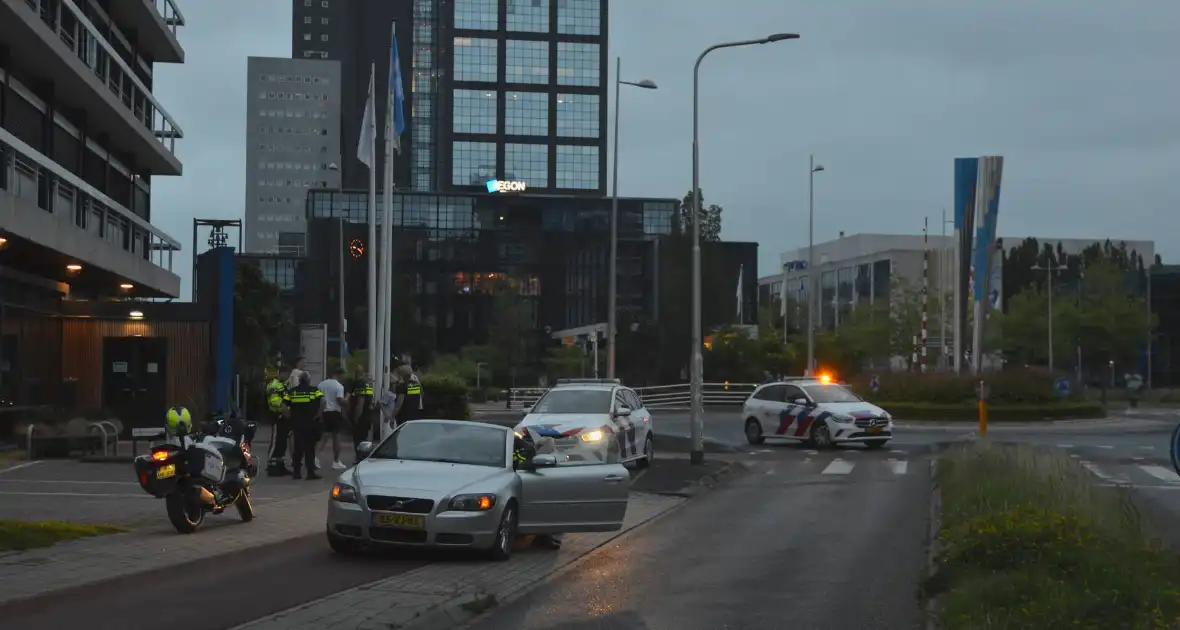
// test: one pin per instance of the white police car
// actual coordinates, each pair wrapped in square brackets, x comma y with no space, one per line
[816,411]
[593,420]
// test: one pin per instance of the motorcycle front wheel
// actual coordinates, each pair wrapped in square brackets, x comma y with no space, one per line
[184,512]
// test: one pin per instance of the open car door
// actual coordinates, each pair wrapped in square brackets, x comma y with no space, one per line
[573,497]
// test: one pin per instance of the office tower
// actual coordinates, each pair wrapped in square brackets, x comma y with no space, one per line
[293,145]
[496,89]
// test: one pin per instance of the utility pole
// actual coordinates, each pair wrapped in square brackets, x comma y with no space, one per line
[1049,270]
[925,287]
[944,258]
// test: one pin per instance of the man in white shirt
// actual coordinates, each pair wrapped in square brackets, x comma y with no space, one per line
[335,402]
[300,368]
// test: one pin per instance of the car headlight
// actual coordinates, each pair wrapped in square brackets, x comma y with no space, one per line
[592,436]
[473,502]
[343,493]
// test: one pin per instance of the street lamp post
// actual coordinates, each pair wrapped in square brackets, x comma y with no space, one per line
[1049,270]
[812,316]
[612,308]
[697,454]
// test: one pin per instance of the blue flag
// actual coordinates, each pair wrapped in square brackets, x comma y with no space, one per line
[397,96]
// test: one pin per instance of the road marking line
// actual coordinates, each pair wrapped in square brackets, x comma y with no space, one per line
[1094,469]
[90,482]
[812,452]
[897,451]
[19,466]
[1159,472]
[75,494]
[898,466]
[839,467]
[1138,459]
[1106,446]
[1074,455]
[1065,446]
[1147,448]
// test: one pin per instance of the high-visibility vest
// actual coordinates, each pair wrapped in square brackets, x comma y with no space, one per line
[275,390]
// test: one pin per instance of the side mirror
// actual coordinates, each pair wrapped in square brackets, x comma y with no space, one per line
[364,448]
[801,401]
[544,461]
[622,412]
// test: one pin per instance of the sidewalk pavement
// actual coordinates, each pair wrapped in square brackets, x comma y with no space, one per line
[444,594]
[25,574]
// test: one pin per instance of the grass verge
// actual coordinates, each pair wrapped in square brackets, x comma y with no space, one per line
[1028,542]
[21,535]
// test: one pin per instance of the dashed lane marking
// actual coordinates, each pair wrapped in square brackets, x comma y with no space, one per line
[839,467]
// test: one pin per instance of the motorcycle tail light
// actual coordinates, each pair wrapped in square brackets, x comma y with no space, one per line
[160,456]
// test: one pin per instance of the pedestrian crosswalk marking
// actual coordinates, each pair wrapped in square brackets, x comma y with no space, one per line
[898,466]
[1159,472]
[839,467]
[1095,470]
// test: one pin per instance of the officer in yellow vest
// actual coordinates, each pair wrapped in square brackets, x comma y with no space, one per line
[304,408]
[361,404]
[276,389]
[409,395]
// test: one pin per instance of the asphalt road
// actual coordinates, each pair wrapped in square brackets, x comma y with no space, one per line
[800,542]
[210,594]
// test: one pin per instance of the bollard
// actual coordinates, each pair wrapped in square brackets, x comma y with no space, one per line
[982,410]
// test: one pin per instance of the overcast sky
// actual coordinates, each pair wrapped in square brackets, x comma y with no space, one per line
[1081,99]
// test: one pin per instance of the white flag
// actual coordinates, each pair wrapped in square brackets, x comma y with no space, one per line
[782,304]
[741,272]
[367,146]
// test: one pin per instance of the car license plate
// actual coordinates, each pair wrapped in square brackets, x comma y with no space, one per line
[166,472]
[404,521]
[874,430]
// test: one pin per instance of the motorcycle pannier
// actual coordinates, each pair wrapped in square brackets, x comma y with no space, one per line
[211,464]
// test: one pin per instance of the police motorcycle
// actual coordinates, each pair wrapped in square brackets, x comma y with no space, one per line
[208,471]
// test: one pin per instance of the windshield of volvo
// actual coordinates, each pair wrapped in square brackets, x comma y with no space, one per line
[832,394]
[574,401]
[426,441]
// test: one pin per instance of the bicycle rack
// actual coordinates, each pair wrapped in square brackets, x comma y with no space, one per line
[105,435]
[29,441]
[114,435]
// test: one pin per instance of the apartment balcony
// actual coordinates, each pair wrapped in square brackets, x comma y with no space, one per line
[53,41]
[54,225]
[155,23]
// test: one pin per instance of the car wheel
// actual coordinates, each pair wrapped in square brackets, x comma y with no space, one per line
[342,545]
[649,452]
[821,435]
[874,445]
[754,432]
[505,534]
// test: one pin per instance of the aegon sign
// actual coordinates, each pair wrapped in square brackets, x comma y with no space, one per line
[498,185]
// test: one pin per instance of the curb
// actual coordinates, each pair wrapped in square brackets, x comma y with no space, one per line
[708,482]
[934,524]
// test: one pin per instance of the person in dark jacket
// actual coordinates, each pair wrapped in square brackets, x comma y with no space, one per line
[304,407]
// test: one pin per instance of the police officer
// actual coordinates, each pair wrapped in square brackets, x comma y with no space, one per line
[360,401]
[304,408]
[409,395]
[523,451]
[281,427]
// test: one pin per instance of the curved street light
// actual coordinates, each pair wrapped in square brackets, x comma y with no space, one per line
[613,290]
[697,455]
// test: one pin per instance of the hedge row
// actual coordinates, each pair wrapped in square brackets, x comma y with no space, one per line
[969,412]
[1017,387]
[444,396]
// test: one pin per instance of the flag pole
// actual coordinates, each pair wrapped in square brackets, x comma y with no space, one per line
[392,147]
[372,241]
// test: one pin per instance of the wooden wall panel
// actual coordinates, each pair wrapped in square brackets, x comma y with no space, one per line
[188,357]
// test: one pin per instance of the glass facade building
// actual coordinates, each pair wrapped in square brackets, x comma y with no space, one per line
[524,97]
[455,251]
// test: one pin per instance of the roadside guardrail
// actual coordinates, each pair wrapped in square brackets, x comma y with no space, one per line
[657,397]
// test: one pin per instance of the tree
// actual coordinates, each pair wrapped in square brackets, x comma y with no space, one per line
[512,334]
[261,321]
[564,362]
[710,218]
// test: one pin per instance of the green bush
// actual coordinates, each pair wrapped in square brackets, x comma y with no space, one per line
[1029,542]
[1015,387]
[995,413]
[444,396]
